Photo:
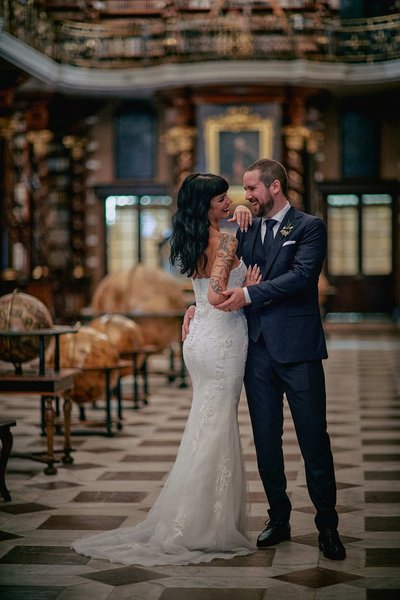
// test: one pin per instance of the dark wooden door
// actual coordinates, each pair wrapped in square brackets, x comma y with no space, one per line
[362,259]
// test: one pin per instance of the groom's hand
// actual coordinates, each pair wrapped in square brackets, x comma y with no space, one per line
[235,299]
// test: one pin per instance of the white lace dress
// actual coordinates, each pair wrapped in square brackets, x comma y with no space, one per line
[201,512]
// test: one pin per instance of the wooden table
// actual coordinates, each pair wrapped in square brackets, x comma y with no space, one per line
[49,387]
[49,384]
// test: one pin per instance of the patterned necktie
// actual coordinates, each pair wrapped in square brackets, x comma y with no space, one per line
[269,234]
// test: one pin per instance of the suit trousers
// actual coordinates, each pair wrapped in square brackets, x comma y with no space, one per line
[266,381]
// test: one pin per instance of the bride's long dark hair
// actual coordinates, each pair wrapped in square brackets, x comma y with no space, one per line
[190,224]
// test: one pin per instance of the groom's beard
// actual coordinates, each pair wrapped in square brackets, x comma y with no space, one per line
[265,209]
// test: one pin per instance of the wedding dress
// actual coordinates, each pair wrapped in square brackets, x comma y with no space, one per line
[201,512]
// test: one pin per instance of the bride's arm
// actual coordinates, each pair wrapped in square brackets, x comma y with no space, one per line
[242,216]
[224,259]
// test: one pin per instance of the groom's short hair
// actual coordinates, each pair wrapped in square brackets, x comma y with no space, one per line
[269,171]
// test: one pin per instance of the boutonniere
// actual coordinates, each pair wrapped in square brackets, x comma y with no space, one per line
[286,230]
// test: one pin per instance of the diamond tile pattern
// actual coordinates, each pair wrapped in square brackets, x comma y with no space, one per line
[19,592]
[20,509]
[80,522]
[125,576]
[42,555]
[316,578]
[114,483]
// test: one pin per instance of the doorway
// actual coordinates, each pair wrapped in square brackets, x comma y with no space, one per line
[137,220]
[362,259]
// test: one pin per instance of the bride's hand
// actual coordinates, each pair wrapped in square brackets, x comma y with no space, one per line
[253,276]
[242,216]
[188,316]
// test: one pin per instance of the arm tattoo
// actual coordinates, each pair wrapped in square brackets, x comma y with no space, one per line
[223,263]
[215,285]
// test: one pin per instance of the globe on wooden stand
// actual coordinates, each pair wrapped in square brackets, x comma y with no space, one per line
[22,312]
[89,350]
[124,334]
[143,292]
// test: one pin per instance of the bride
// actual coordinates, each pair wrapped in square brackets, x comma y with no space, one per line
[201,512]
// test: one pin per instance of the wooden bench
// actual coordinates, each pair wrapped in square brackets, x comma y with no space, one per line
[6,438]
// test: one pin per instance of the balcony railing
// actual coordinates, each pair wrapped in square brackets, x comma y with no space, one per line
[195,36]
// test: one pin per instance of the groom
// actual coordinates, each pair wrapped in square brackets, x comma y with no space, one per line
[286,348]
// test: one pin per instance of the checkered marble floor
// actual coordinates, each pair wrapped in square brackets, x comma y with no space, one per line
[115,480]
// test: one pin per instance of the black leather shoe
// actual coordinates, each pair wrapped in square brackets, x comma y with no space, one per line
[330,544]
[275,532]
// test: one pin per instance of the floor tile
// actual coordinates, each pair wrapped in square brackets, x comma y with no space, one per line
[382,523]
[316,578]
[261,558]
[212,594]
[382,557]
[382,475]
[4,535]
[19,509]
[382,594]
[79,522]
[133,476]
[55,485]
[141,458]
[124,576]
[43,555]
[383,497]
[21,592]
[384,457]
[110,497]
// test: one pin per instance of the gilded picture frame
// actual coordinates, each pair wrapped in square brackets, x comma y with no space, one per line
[233,141]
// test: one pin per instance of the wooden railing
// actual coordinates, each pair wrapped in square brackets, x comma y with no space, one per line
[128,42]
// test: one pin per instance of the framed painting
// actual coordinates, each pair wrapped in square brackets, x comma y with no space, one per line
[233,141]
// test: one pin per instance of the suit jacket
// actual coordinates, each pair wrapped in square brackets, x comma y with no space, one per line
[285,304]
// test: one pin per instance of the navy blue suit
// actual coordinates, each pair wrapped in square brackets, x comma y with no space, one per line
[286,348]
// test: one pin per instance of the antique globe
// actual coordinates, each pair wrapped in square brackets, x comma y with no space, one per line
[124,333]
[22,312]
[88,349]
[144,291]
